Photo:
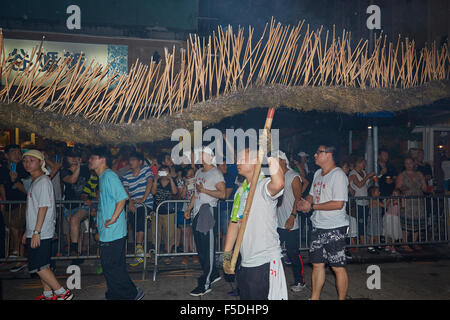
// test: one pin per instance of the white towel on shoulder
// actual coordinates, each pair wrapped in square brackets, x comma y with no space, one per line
[277,281]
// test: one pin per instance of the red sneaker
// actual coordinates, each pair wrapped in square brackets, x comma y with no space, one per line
[42,297]
[68,295]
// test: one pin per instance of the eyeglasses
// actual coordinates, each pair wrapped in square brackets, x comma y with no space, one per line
[321,151]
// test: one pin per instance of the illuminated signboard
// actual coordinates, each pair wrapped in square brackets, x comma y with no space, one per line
[20,51]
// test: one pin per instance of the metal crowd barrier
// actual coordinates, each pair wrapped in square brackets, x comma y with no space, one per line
[173,210]
[61,246]
[423,220]
[365,227]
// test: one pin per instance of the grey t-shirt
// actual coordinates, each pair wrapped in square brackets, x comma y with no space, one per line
[331,187]
[209,179]
[285,209]
[40,195]
[261,242]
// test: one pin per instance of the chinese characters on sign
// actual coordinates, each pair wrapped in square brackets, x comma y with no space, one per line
[47,60]
[23,54]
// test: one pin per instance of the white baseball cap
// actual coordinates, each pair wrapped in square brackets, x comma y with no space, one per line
[280,155]
[303,154]
[209,151]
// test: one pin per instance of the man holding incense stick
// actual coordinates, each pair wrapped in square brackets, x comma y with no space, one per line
[261,274]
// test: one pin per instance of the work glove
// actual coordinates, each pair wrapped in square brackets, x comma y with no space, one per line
[226,258]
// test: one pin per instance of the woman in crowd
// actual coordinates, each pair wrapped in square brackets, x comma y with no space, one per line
[412,183]
[351,212]
[359,181]
[184,229]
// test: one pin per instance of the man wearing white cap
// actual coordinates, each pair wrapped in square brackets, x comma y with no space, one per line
[41,218]
[210,186]
[288,227]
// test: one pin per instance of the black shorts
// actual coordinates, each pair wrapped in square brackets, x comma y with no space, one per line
[39,258]
[254,283]
[328,246]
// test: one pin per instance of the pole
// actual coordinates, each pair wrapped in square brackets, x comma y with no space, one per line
[17,136]
[375,149]
[369,149]
[350,142]
[251,192]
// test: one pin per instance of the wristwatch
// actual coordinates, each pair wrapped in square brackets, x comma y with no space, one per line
[36,232]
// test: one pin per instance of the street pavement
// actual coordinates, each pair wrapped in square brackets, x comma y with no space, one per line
[414,276]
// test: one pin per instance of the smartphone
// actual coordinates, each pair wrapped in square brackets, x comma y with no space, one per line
[57,158]
[162,173]
[13,167]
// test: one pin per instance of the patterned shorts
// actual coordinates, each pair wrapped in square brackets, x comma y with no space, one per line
[328,246]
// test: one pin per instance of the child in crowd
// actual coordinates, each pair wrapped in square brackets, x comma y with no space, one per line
[392,229]
[374,228]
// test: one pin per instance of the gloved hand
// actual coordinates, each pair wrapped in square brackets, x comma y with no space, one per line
[226,258]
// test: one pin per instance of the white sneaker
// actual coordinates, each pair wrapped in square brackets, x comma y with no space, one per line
[298,287]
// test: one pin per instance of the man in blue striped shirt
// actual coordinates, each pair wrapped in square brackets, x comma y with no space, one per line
[138,182]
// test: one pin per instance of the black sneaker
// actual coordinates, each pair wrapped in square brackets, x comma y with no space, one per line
[348,255]
[18,267]
[200,291]
[372,250]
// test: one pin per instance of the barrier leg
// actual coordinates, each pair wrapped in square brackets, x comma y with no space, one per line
[155,270]
[145,244]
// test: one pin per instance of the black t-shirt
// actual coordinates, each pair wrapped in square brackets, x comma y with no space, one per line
[12,193]
[162,194]
[74,191]
[387,188]
[425,169]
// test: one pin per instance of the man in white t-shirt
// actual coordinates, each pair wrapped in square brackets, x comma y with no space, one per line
[328,197]
[261,274]
[40,226]
[288,227]
[210,186]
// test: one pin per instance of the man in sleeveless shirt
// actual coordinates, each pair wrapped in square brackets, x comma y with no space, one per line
[288,225]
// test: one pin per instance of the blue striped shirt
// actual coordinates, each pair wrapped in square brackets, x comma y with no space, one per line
[136,185]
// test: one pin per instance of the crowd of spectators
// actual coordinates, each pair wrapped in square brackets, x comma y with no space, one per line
[386,221]
[151,179]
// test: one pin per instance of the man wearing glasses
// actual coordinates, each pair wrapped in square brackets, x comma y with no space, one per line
[327,198]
